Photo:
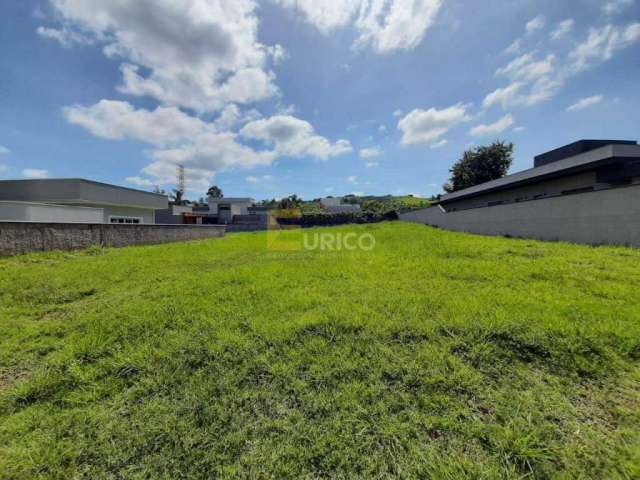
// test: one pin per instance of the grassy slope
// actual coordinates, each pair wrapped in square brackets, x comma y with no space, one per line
[437,355]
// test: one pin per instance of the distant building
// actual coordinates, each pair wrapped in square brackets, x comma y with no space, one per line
[76,200]
[585,192]
[335,205]
[225,209]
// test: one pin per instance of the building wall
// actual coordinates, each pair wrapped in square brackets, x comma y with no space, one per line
[16,238]
[544,188]
[74,191]
[600,217]
[148,216]
[41,212]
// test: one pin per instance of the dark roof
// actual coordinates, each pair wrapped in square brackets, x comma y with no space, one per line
[575,148]
[583,161]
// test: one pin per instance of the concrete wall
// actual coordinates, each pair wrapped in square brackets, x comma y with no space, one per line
[600,217]
[16,237]
[42,212]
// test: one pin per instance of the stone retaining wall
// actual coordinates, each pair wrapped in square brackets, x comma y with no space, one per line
[23,237]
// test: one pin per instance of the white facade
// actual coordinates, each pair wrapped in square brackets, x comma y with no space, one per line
[227,208]
[44,212]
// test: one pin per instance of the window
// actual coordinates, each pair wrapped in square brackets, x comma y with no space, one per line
[122,219]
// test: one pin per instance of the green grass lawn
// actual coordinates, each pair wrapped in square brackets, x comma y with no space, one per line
[436,355]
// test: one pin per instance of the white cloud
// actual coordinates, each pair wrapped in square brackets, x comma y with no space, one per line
[64,36]
[293,137]
[371,152]
[440,144]
[352,179]
[519,129]
[427,126]
[514,47]
[117,120]
[534,80]
[602,43]
[382,128]
[371,164]
[200,54]
[537,23]
[527,68]
[398,24]
[385,25]
[4,150]
[34,173]
[616,6]
[260,179]
[501,125]
[562,29]
[397,113]
[180,139]
[140,182]
[585,103]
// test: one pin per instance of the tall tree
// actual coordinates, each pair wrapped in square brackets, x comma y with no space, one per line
[479,165]
[215,192]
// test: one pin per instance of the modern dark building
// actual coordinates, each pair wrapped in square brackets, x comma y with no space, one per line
[587,191]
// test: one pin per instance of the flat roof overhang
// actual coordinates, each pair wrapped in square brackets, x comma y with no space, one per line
[610,154]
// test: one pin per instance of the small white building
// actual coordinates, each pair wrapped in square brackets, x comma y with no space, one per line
[227,208]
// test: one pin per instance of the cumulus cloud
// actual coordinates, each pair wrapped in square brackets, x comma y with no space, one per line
[4,150]
[204,149]
[535,24]
[384,25]
[352,179]
[34,173]
[562,29]
[428,126]
[289,136]
[117,120]
[501,125]
[585,103]
[397,113]
[371,152]
[394,25]
[200,54]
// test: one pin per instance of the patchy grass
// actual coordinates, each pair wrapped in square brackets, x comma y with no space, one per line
[436,355]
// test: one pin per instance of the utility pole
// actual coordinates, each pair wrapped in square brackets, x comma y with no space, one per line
[181,182]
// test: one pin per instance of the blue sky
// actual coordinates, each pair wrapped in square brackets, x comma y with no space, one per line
[313,97]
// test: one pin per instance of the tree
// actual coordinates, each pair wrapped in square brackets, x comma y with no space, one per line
[292,201]
[215,192]
[479,165]
[177,196]
[158,190]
